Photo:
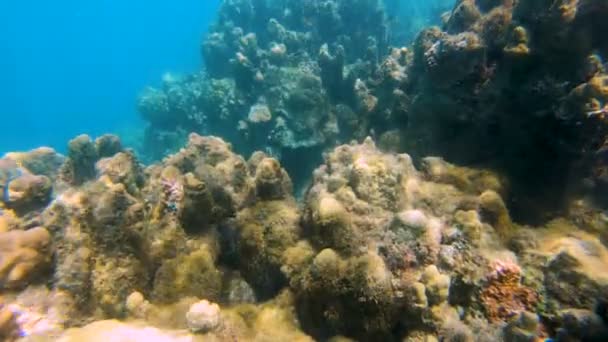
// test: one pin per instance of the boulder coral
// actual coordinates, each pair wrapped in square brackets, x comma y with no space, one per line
[24,255]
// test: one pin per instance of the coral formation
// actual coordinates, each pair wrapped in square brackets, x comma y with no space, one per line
[503,296]
[516,85]
[484,89]
[23,256]
[378,249]
[279,78]
[451,190]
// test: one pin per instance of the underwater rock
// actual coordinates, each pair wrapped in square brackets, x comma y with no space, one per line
[259,113]
[40,161]
[121,168]
[203,316]
[524,327]
[153,105]
[437,285]
[265,231]
[239,291]
[471,96]
[137,306]
[271,181]
[577,265]
[582,325]
[22,190]
[39,312]
[212,160]
[82,156]
[27,192]
[194,275]
[376,227]
[8,326]
[377,250]
[264,228]
[108,145]
[455,330]
[332,70]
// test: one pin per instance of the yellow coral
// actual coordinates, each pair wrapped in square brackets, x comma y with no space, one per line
[193,274]
[22,253]
[437,285]
[496,211]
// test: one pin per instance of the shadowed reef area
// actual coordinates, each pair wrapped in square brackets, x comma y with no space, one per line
[318,181]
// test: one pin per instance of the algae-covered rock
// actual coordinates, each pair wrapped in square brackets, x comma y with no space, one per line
[525,327]
[8,326]
[576,265]
[40,161]
[121,167]
[388,241]
[80,165]
[266,230]
[113,280]
[108,145]
[194,274]
[27,192]
[377,250]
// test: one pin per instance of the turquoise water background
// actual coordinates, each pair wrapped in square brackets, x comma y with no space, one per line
[69,67]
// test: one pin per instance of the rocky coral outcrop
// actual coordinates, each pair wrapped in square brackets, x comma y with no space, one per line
[158,231]
[378,249]
[40,161]
[23,191]
[279,78]
[513,84]
[383,240]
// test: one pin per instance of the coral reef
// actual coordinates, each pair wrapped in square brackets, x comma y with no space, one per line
[208,241]
[516,85]
[491,226]
[498,85]
[279,78]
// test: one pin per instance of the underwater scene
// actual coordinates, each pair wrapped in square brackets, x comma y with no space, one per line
[304,170]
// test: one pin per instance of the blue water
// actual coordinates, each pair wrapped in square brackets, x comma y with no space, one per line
[69,67]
